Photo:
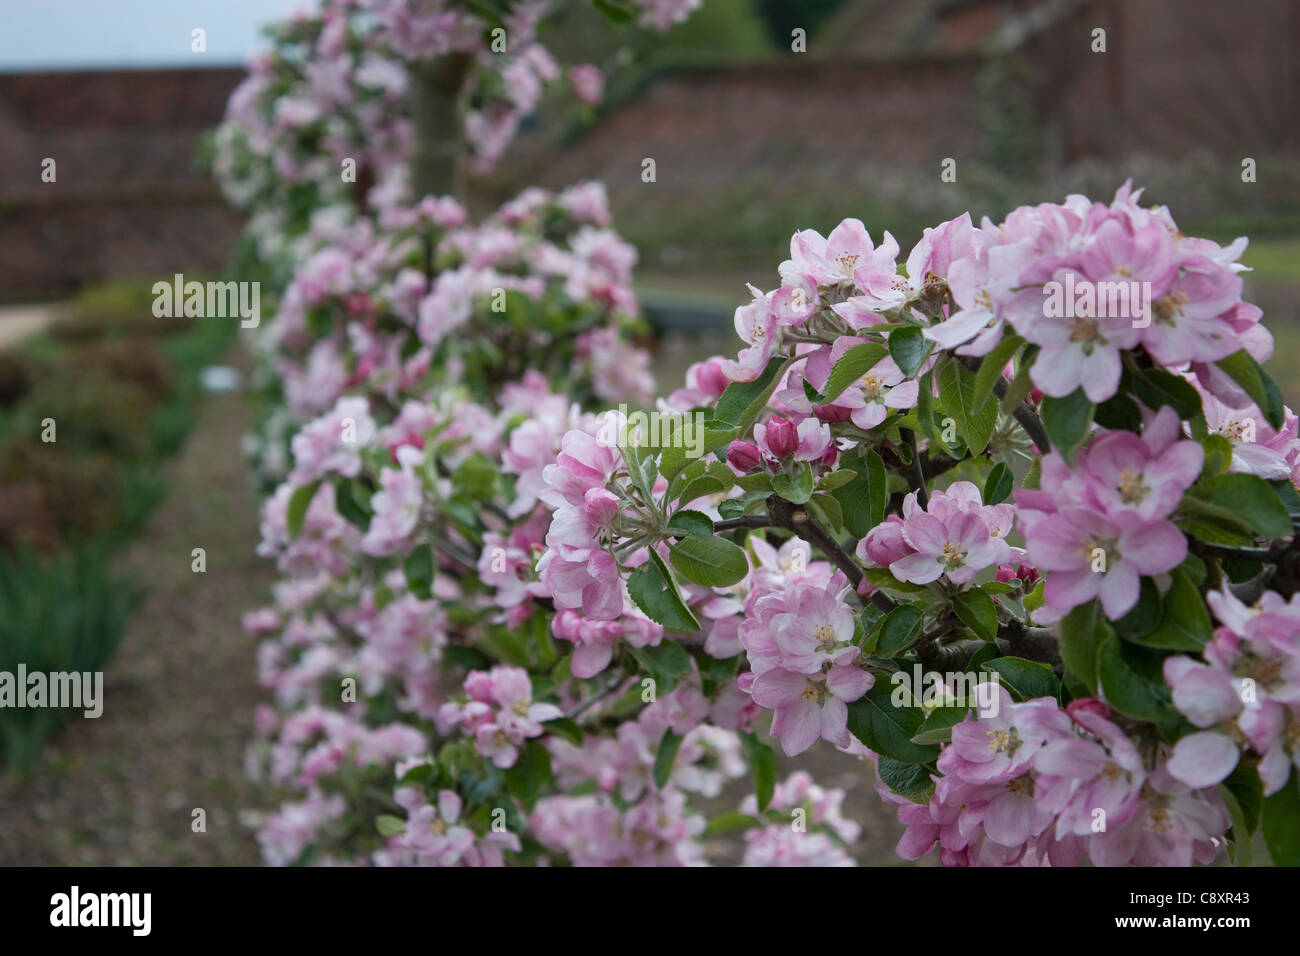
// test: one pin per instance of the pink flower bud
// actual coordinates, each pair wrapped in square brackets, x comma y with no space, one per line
[478,685]
[782,437]
[744,457]
[830,414]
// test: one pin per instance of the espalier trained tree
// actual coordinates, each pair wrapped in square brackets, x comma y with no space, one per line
[1025,544]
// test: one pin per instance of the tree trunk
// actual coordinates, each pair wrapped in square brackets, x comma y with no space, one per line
[435,110]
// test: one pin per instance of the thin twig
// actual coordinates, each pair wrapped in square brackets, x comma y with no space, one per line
[796,518]
[744,521]
[916,472]
[597,697]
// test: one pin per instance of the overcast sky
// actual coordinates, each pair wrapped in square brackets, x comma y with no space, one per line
[79,34]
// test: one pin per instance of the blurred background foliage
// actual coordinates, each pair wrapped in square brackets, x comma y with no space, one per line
[121,387]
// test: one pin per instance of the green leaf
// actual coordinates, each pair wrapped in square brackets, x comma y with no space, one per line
[1035,474]
[1214,523]
[762,763]
[666,662]
[389,825]
[729,823]
[297,510]
[798,489]
[1250,498]
[998,484]
[990,370]
[667,753]
[742,402]
[733,507]
[654,591]
[530,777]
[566,728]
[836,479]
[925,397]
[713,562]
[1034,599]
[908,348]
[863,499]
[937,728]
[1000,587]
[1081,635]
[887,729]
[1024,679]
[1066,421]
[1288,494]
[1282,823]
[346,502]
[852,365]
[1145,616]
[1131,681]
[475,477]
[1119,412]
[899,630]
[1239,849]
[826,508]
[691,523]
[1218,455]
[758,481]
[1184,621]
[1246,786]
[975,422]
[701,487]
[977,611]
[1157,388]
[615,12]
[418,568]
[1246,372]
[1243,794]
[911,780]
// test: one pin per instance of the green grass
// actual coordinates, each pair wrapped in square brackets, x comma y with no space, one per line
[1284,366]
[57,614]
[1274,259]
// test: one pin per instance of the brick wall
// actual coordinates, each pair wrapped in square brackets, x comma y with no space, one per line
[1178,76]
[129,198]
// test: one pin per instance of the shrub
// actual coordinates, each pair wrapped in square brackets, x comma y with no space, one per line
[57,613]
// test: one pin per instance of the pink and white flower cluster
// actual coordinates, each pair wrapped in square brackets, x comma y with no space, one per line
[1098,527]
[955,536]
[1189,311]
[328,108]
[799,644]
[1040,785]
[814,832]
[499,713]
[1244,695]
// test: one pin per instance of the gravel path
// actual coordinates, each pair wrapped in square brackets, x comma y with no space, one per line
[19,321]
[179,696]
